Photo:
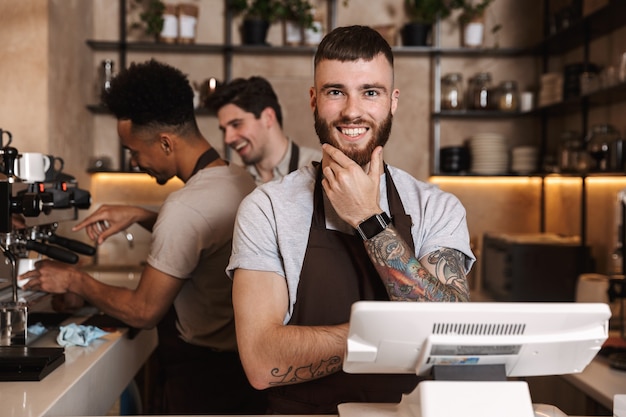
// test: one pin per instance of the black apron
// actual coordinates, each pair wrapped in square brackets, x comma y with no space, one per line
[295,157]
[336,272]
[196,379]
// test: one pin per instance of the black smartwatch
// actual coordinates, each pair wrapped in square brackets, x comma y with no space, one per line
[369,228]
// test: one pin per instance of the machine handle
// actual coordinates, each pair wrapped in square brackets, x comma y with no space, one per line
[73,245]
[52,252]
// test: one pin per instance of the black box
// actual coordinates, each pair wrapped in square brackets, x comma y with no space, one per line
[532,267]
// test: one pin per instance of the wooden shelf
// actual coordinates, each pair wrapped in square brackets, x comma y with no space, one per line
[479,114]
[598,24]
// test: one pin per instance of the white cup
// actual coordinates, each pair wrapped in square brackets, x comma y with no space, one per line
[32,166]
[594,288]
[23,266]
[526,101]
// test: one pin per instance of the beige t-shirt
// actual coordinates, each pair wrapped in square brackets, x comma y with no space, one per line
[191,240]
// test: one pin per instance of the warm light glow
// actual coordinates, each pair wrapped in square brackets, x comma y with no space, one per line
[130,188]
[481,181]
[611,181]
[136,178]
[549,181]
[563,181]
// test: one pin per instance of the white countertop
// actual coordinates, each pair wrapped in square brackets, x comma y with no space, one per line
[88,383]
[599,381]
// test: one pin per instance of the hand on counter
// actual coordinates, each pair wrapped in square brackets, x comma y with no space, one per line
[111,219]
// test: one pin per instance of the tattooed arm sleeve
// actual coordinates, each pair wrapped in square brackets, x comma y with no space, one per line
[439,276]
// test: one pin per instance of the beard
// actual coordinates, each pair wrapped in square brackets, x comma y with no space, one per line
[160,179]
[380,133]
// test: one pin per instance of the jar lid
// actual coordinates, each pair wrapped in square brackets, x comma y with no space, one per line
[604,128]
[509,84]
[452,77]
[483,76]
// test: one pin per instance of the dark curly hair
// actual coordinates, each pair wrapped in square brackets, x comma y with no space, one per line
[351,43]
[152,95]
[253,95]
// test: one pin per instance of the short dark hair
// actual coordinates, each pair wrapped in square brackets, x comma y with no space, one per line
[152,94]
[253,95]
[351,43]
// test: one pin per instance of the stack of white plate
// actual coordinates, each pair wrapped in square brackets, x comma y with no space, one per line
[489,154]
[524,160]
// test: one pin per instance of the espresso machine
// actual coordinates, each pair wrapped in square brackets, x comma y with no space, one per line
[30,213]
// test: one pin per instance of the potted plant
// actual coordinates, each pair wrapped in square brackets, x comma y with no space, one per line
[298,17]
[258,15]
[422,15]
[151,16]
[472,21]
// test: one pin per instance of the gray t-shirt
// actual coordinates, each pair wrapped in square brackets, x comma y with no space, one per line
[273,222]
[191,240]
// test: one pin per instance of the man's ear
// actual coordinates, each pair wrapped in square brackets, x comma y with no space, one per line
[166,144]
[268,116]
[395,96]
[312,98]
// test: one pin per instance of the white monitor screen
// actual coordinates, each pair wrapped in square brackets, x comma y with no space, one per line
[529,339]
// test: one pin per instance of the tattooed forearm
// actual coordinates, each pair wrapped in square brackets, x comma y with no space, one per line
[407,279]
[293,375]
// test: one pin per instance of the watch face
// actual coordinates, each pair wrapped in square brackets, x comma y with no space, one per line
[374,225]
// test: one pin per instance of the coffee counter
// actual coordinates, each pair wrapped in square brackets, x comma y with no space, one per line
[88,383]
[600,382]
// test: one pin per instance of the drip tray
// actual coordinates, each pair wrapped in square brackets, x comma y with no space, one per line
[23,363]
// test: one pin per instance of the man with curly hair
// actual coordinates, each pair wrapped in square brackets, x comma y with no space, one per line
[251,118]
[183,287]
[352,228]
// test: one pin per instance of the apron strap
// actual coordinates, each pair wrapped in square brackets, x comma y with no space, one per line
[295,157]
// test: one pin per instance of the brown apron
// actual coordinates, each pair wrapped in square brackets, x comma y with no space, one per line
[336,272]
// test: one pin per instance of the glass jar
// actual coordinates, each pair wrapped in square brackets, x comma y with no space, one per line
[479,91]
[452,91]
[599,142]
[508,96]
[570,151]
[105,76]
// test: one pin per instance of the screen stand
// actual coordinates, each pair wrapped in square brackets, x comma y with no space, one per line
[456,391]
[495,372]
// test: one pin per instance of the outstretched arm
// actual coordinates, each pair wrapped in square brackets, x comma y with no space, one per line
[141,308]
[111,219]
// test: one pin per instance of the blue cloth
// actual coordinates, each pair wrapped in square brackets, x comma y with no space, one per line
[36,329]
[78,335]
